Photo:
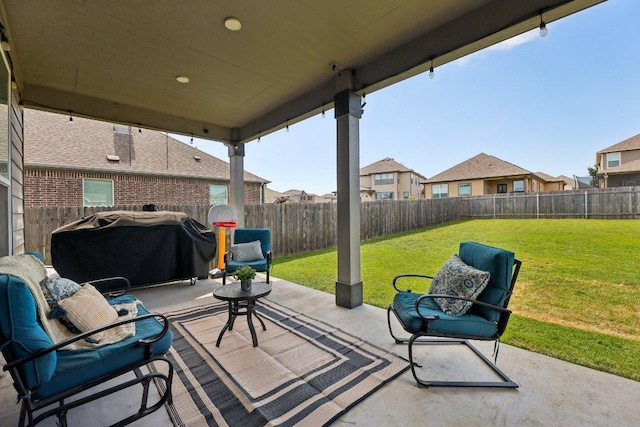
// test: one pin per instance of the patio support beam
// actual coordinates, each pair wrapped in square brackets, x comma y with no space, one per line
[348,111]
[236,186]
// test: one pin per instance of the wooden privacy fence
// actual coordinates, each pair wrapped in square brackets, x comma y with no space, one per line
[298,227]
[609,203]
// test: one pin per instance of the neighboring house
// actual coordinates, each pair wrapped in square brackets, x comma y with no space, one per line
[619,165]
[297,196]
[485,174]
[92,163]
[300,196]
[389,180]
[327,198]
[569,183]
[273,196]
[558,183]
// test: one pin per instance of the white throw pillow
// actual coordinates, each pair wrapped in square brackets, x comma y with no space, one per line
[88,309]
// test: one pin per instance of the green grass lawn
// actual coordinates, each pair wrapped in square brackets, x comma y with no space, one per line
[576,298]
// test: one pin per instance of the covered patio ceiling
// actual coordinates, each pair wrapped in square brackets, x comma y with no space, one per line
[119,60]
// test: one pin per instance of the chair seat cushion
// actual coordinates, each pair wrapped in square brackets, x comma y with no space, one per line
[257,265]
[78,367]
[468,325]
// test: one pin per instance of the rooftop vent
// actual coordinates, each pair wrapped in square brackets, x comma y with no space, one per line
[113,158]
[122,129]
[197,158]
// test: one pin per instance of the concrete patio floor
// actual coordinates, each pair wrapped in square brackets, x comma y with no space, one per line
[551,392]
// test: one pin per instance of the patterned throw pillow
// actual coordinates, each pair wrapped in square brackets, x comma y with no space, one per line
[87,309]
[457,278]
[57,288]
[251,251]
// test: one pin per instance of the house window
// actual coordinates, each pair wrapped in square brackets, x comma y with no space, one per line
[502,188]
[383,178]
[464,189]
[613,160]
[440,191]
[388,195]
[629,184]
[217,195]
[97,192]
[518,186]
[405,195]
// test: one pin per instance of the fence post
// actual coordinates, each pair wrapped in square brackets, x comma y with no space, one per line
[586,209]
[494,206]
[537,205]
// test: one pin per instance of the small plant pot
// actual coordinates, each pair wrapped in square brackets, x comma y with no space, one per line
[245,285]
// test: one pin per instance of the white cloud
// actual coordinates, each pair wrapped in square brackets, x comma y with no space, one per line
[516,41]
[502,46]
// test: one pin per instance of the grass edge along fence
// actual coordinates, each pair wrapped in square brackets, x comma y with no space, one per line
[299,227]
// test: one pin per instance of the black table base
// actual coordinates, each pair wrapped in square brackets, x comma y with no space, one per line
[242,303]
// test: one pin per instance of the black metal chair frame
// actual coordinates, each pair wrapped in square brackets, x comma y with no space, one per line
[29,405]
[418,337]
[227,256]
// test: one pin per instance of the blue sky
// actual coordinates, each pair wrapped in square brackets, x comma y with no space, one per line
[545,104]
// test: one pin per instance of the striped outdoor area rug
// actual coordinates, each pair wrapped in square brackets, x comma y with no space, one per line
[303,371]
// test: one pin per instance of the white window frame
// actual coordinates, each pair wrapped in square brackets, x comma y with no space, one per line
[437,191]
[6,246]
[615,158]
[384,195]
[383,178]
[217,200]
[87,203]
[466,185]
[514,186]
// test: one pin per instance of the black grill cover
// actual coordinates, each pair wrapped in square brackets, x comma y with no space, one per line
[144,247]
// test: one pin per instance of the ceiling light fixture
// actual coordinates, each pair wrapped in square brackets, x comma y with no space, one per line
[6,46]
[543,27]
[182,79]
[232,24]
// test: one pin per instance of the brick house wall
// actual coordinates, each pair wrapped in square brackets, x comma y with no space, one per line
[63,188]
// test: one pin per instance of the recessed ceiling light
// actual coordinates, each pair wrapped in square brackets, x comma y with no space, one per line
[232,24]
[182,79]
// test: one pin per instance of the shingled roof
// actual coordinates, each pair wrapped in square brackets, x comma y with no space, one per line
[53,141]
[384,166]
[479,167]
[632,143]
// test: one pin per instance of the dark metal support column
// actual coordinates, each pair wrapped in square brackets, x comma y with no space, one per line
[236,187]
[348,111]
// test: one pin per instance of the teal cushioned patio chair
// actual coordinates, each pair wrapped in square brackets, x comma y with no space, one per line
[248,235]
[486,320]
[48,375]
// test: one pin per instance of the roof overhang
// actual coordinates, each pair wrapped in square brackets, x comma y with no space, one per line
[118,61]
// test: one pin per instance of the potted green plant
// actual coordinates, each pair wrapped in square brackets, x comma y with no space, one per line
[245,274]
